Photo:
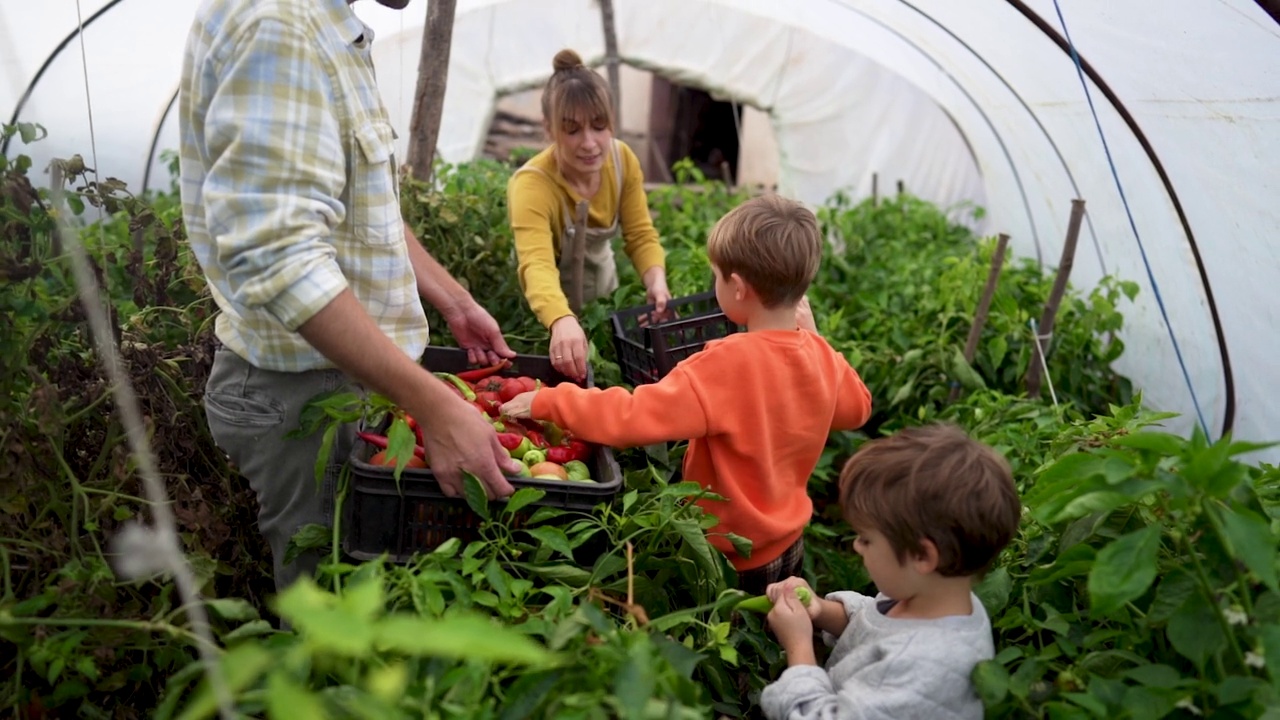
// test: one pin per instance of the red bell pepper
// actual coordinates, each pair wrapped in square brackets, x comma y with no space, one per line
[512,387]
[579,450]
[482,373]
[559,454]
[538,440]
[380,442]
[510,441]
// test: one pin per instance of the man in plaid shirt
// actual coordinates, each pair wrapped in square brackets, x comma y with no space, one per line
[291,201]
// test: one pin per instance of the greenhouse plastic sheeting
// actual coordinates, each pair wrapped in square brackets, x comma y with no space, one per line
[966,102]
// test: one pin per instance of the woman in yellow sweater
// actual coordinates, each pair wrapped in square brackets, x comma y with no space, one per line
[584,163]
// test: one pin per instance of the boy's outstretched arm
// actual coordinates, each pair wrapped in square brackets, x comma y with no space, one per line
[853,402]
[668,410]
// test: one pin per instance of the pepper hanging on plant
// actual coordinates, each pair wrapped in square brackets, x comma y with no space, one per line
[762,604]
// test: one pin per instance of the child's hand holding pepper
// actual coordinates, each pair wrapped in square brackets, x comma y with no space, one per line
[790,621]
[520,406]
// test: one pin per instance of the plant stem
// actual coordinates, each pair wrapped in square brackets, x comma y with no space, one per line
[1202,577]
[1242,582]
[139,625]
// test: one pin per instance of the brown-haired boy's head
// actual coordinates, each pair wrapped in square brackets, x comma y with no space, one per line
[933,483]
[772,243]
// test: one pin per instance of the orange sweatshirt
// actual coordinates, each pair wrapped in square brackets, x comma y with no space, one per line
[756,408]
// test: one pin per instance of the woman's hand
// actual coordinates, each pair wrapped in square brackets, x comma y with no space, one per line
[656,292]
[569,348]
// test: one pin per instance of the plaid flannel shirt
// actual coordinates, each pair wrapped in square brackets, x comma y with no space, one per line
[288,177]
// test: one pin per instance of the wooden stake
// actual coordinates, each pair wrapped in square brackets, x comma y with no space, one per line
[726,174]
[578,257]
[1045,328]
[611,60]
[875,190]
[428,98]
[984,307]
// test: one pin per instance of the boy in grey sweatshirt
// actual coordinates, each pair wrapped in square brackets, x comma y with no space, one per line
[932,508]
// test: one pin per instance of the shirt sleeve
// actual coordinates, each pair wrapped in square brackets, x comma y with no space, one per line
[639,236]
[532,202]
[276,174]
[853,401]
[618,418]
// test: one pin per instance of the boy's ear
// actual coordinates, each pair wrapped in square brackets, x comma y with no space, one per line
[741,288]
[927,561]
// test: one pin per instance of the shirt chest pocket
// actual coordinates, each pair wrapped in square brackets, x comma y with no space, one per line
[374,198]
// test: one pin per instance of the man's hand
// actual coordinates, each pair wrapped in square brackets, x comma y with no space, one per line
[478,333]
[459,439]
[520,406]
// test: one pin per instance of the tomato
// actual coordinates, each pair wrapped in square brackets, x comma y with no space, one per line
[380,458]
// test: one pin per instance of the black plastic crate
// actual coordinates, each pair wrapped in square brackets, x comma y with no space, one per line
[646,353]
[415,516]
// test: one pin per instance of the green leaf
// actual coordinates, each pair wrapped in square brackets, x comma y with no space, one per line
[286,699]
[994,590]
[241,667]
[554,538]
[448,548]
[1252,541]
[1161,676]
[695,540]
[741,545]
[232,609]
[253,628]
[1270,636]
[991,681]
[1125,569]
[317,617]
[523,497]
[1158,442]
[364,599]
[526,695]
[963,372]
[1149,703]
[324,453]
[634,682]
[476,497]
[1194,630]
[459,636]
[1171,594]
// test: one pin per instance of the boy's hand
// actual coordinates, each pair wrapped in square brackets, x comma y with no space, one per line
[520,406]
[790,621]
[804,316]
[788,588]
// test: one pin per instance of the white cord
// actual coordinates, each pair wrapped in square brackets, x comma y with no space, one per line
[1044,366]
[142,551]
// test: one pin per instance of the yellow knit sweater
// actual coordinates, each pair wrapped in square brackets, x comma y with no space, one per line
[536,205]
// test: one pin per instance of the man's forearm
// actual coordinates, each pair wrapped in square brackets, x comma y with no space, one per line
[435,284]
[344,333]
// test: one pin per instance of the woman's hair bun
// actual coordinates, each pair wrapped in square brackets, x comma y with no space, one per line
[566,60]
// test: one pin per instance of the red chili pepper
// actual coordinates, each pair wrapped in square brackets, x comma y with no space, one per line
[413,425]
[380,442]
[467,393]
[482,373]
[510,441]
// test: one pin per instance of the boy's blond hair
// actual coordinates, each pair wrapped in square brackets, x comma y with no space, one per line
[933,482]
[771,242]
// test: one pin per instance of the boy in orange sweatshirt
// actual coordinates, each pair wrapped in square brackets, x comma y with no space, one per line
[756,407]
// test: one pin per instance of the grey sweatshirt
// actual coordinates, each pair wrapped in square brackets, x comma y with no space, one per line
[884,668]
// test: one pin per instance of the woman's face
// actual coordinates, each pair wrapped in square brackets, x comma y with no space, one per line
[581,144]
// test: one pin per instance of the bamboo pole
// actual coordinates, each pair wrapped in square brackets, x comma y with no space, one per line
[428,98]
[1044,330]
[577,257]
[875,189]
[984,307]
[611,60]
